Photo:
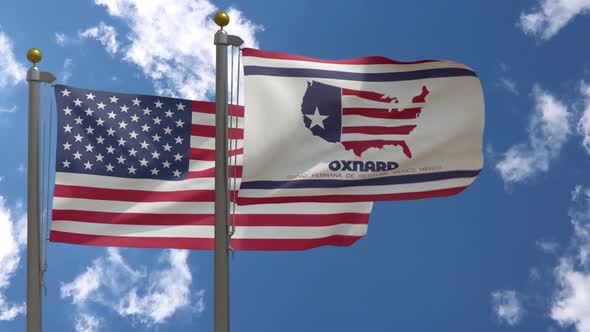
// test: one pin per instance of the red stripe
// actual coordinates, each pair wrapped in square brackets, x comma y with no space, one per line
[358,147]
[384,113]
[150,219]
[209,108]
[350,198]
[209,155]
[210,173]
[127,195]
[200,243]
[209,131]
[370,95]
[373,130]
[370,60]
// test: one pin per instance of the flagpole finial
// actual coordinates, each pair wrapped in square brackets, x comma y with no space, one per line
[221,19]
[34,55]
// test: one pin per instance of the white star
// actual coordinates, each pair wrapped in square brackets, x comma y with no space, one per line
[78,138]
[99,157]
[132,152]
[133,135]
[155,155]
[77,155]
[99,121]
[112,115]
[89,130]
[111,132]
[78,120]
[67,146]
[110,167]
[67,111]
[147,111]
[66,164]
[167,130]
[166,164]
[114,99]
[145,127]
[157,120]
[144,145]
[132,169]
[176,173]
[88,165]
[67,128]
[65,93]
[111,149]
[78,102]
[180,106]
[122,125]
[124,108]
[179,123]
[101,105]
[89,112]
[134,118]
[169,114]
[156,138]
[121,159]
[155,171]
[316,119]
[143,162]
[90,96]
[158,104]
[136,101]
[179,140]
[89,148]
[177,157]
[99,140]
[121,141]
[167,147]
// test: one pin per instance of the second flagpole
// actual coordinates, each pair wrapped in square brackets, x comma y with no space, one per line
[221,274]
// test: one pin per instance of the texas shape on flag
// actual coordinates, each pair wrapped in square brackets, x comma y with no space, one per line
[365,129]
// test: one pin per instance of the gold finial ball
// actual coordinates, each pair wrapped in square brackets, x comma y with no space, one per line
[221,19]
[34,55]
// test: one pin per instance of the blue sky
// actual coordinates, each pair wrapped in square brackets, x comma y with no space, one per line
[511,253]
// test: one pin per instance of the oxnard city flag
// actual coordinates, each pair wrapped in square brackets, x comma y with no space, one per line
[365,129]
[138,171]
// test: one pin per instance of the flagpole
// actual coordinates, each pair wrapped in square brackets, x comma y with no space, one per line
[35,78]
[221,275]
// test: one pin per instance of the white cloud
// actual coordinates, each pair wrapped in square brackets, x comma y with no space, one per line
[148,297]
[12,72]
[180,61]
[507,306]
[106,34]
[11,245]
[21,169]
[547,247]
[8,110]
[66,73]
[87,323]
[551,15]
[548,130]
[584,123]
[61,39]
[508,85]
[571,305]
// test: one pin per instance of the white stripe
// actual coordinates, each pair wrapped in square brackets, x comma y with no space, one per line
[109,182]
[357,120]
[199,165]
[354,102]
[209,143]
[367,137]
[208,119]
[196,231]
[250,60]
[364,190]
[60,203]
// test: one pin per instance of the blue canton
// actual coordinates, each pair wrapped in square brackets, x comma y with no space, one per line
[114,134]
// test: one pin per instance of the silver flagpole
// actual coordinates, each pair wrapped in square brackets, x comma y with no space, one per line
[34,77]
[221,275]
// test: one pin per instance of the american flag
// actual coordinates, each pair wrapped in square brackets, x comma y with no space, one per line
[138,171]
